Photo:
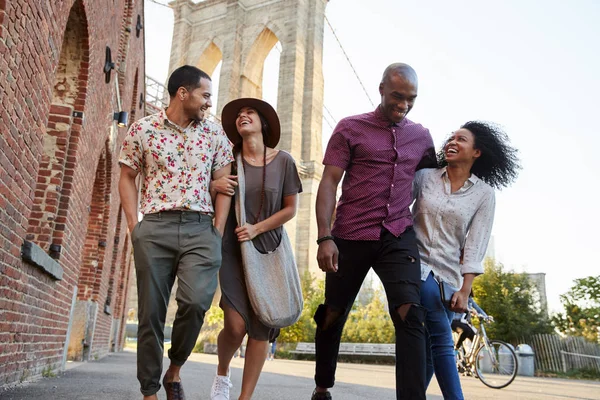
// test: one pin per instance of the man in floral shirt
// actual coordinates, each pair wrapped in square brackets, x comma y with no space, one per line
[177,152]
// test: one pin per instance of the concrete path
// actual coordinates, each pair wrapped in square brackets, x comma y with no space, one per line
[113,378]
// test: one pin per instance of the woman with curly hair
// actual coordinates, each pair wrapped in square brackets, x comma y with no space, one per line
[453,216]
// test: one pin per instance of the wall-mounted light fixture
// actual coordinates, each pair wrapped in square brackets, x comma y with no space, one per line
[107,310]
[108,65]
[121,117]
[138,26]
[55,251]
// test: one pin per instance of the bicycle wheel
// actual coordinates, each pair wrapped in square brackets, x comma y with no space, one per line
[496,368]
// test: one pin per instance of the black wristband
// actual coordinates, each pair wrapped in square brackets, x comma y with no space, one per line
[324,238]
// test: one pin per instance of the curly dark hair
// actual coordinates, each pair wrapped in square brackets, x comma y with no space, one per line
[498,164]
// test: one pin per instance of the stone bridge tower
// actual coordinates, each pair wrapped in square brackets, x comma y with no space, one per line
[241,33]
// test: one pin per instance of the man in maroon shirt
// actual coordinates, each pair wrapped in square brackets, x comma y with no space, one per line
[379,152]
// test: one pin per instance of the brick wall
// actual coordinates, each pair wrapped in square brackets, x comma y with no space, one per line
[58,178]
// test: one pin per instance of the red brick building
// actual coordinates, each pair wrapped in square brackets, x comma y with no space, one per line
[66,67]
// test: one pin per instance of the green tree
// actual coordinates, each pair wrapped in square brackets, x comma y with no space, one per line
[304,330]
[512,300]
[213,323]
[369,321]
[581,316]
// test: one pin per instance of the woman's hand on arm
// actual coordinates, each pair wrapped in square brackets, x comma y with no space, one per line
[287,212]
[225,185]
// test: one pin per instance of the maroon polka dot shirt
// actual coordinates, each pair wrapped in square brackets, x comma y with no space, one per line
[380,159]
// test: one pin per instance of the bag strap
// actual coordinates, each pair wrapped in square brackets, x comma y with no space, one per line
[240,200]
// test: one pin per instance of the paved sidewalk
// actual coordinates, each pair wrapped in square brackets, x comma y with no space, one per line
[113,378]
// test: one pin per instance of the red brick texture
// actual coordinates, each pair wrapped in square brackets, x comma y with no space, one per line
[59,174]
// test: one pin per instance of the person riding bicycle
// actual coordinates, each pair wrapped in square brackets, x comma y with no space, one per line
[461,323]
[492,361]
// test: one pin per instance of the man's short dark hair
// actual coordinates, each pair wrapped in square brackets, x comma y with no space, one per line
[187,76]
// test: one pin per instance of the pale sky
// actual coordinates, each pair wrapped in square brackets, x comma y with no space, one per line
[531,66]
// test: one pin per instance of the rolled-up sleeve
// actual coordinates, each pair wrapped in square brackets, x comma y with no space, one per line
[131,149]
[478,237]
[338,149]
[222,154]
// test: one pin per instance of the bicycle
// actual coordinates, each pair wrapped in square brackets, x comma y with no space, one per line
[493,362]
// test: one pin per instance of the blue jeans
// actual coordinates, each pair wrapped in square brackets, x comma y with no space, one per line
[440,345]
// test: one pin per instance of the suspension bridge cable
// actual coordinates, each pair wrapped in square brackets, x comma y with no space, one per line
[339,43]
[349,62]
[329,113]
[159,3]
[278,48]
[327,121]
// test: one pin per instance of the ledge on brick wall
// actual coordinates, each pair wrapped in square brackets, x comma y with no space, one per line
[35,255]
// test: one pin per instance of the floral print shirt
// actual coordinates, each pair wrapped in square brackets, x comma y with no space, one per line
[177,164]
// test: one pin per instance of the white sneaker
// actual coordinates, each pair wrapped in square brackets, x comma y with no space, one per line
[220,388]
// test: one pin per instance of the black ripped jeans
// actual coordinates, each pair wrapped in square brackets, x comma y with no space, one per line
[396,262]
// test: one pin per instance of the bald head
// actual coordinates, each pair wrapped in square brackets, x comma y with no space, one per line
[402,70]
[398,90]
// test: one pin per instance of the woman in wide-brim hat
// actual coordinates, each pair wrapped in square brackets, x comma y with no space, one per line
[272,188]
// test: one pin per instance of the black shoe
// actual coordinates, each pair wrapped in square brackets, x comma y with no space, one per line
[174,390]
[321,396]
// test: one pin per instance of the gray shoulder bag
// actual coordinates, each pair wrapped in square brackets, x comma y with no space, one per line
[271,279]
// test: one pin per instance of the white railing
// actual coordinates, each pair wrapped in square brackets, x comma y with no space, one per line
[157,96]
[592,362]
[561,354]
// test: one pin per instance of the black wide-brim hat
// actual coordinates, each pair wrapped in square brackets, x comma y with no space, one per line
[230,113]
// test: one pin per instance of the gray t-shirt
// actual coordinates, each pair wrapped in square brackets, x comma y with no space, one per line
[281,180]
